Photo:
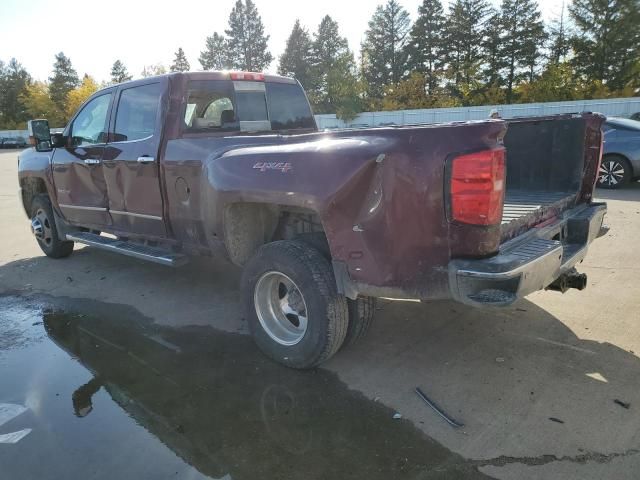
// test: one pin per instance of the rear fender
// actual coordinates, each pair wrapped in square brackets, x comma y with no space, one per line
[246,188]
[378,193]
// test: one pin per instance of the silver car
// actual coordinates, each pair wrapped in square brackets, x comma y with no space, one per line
[621,155]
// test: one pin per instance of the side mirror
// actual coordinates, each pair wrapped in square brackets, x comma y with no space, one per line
[58,140]
[39,135]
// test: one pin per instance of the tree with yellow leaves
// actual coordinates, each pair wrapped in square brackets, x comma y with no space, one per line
[38,104]
[78,95]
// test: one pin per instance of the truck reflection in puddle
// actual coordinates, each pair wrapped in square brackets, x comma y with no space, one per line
[227,411]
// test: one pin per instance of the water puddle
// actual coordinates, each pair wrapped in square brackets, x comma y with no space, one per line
[107,394]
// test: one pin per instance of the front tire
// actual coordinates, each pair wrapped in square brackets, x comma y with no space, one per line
[43,226]
[294,312]
[615,172]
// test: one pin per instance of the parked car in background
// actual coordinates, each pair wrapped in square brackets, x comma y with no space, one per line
[14,142]
[635,116]
[621,154]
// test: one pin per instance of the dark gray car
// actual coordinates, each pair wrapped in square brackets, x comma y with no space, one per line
[14,142]
[621,155]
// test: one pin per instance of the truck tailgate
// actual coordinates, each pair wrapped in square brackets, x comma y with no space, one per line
[547,165]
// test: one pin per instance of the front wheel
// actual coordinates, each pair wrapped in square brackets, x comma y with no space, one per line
[292,306]
[615,172]
[43,227]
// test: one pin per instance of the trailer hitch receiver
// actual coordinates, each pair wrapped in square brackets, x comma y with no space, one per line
[570,279]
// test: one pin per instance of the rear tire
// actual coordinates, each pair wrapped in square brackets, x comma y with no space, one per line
[615,172]
[44,227]
[361,312]
[295,313]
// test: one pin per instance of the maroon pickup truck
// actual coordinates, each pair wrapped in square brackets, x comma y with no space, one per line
[186,164]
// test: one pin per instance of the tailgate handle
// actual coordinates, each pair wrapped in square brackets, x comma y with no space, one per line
[146,159]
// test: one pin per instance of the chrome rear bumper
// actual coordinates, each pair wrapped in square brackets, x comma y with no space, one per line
[529,262]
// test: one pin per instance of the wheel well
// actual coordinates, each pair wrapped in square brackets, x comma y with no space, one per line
[248,226]
[30,187]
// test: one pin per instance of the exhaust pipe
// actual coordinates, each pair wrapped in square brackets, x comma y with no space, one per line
[571,279]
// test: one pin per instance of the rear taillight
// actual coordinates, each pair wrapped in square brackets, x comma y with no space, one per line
[477,187]
[252,76]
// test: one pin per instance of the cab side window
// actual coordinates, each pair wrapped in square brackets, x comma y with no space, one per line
[210,107]
[90,126]
[137,112]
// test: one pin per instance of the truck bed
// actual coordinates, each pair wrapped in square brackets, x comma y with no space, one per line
[545,159]
[519,205]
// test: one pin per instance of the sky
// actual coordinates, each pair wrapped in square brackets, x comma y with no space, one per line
[139,32]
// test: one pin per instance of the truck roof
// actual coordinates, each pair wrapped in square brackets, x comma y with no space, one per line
[221,75]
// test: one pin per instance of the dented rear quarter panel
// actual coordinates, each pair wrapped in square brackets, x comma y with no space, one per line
[380,194]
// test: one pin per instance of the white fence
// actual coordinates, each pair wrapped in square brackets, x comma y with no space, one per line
[23,133]
[14,133]
[619,107]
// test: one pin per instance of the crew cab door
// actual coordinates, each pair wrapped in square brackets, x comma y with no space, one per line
[131,159]
[77,168]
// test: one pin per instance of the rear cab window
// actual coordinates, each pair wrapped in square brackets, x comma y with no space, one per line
[288,107]
[214,106]
[210,107]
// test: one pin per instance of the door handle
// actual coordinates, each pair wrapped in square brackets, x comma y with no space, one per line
[145,159]
[91,161]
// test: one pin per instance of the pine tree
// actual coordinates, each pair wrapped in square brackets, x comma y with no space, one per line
[426,48]
[214,56]
[522,41]
[180,63]
[152,70]
[14,79]
[297,59]
[246,40]
[607,40]
[493,61]
[464,39]
[63,80]
[336,87]
[383,50]
[559,37]
[328,45]
[119,72]
[343,90]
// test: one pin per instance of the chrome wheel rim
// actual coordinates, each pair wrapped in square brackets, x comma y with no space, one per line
[611,173]
[281,308]
[41,227]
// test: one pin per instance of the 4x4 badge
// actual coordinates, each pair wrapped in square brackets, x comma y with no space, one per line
[282,166]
